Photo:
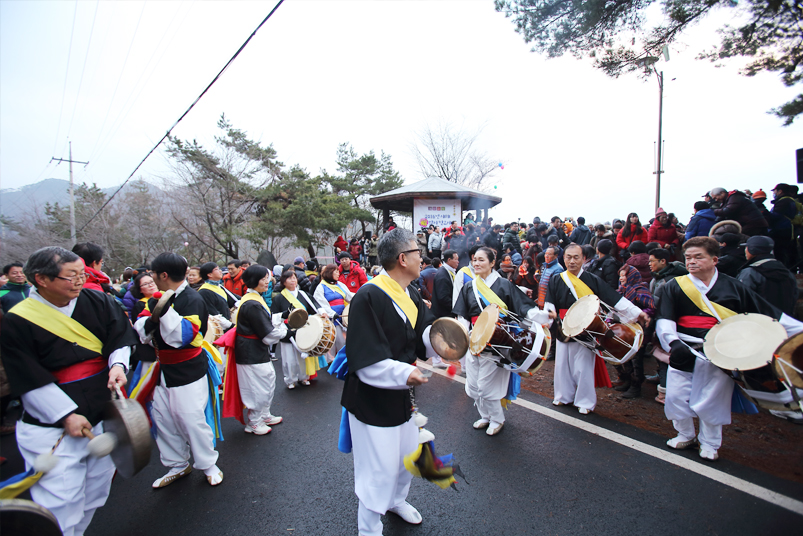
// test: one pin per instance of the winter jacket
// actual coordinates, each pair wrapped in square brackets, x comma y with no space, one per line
[742,209]
[235,284]
[701,223]
[551,231]
[624,241]
[581,235]
[304,282]
[13,293]
[607,269]
[355,250]
[354,278]
[663,234]
[731,260]
[672,270]
[783,210]
[770,278]
[372,247]
[641,262]
[435,242]
[341,243]
[95,278]
[510,239]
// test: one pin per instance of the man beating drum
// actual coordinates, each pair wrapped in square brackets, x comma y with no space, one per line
[63,349]
[690,306]
[575,362]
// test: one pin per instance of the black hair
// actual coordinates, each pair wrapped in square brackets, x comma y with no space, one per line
[426,260]
[206,269]
[171,263]
[701,205]
[588,251]
[636,247]
[661,254]
[254,274]
[134,287]
[7,268]
[235,262]
[626,226]
[581,220]
[436,262]
[472,250]
[490,253]
[651,246]
[287,274]
[599,227]
[91,253]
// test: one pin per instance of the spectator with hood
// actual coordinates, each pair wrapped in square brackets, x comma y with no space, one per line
[606,267]
[663,231]
[702,221]
[640,260]
[768,276]
[731,255]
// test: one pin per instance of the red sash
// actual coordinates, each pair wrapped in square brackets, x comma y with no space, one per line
[80,371]
[698,322]
[562,313]
[172,356]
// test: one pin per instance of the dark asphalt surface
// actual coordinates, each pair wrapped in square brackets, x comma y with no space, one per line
[538,476]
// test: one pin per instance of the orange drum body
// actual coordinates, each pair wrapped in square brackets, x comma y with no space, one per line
[585,323]
[317,336]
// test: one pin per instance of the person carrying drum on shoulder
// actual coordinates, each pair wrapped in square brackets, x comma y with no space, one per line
[486,381]
[253,379]
[690,306]
[63,349]
[297,366]
[183,390]
[575,362]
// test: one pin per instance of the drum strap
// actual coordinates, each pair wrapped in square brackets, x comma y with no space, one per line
[292,299]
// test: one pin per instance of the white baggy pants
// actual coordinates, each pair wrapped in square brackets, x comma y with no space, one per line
[77,486]
[487,384]
[294,367]
[180,418]
[574,375]
[257,386]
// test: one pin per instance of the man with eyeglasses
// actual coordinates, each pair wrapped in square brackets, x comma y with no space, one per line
[64,349]
[393,325]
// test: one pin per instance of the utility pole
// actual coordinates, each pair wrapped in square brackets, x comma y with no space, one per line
[659,164]
[72,192]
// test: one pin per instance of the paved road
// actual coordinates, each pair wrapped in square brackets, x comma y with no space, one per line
[539,476]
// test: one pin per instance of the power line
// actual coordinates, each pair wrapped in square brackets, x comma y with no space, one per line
[185,113]
[117,85]
[83,69]
[66,72]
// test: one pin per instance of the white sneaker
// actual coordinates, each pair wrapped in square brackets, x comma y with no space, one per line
[291,386]
[708,454]
[681,443]
[557,403]
[584,411]
[273,420]
[305,382]
[480,424]
[257,429]
[171,476]
[407,512]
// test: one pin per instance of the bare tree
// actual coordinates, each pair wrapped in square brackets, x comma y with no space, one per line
[450,153]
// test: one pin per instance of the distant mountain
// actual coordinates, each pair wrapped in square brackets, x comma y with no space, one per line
[15,202]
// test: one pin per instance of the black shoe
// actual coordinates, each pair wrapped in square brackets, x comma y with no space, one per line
[633,392]
[624,387]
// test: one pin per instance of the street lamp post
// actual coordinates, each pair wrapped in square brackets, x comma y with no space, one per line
[659,163]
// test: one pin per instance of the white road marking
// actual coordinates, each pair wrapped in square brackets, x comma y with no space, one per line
[707,471]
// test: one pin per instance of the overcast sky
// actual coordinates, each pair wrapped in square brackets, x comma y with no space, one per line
[319,73]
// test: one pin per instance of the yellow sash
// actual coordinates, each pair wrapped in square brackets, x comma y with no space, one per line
[576,283]
[251,296]
[465,270]
[214,288]
[487,293]
[397,294]
[336,288]
[57,323]
[292,299]
[693,293]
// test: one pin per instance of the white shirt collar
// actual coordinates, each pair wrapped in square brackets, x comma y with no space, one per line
[452,270]
[67,309]
[700,285]
[181,287]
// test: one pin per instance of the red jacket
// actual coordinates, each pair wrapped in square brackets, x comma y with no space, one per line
[235,284]
[355,278]
[354,251]
[663,235]
[624,241]
[94,278]
[341,243]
